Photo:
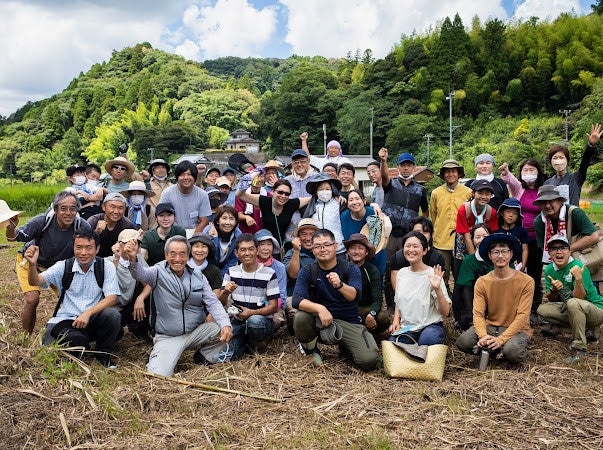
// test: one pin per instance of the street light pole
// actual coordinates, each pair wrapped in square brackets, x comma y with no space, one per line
[449,98]
[371,133]
[429,136]
[566,113]
[324,137]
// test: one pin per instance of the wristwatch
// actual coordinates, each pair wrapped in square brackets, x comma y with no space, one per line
[373,313]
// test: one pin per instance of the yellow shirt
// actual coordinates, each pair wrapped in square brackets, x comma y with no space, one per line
[443,208]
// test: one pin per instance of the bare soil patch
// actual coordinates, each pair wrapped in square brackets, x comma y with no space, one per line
[47,401]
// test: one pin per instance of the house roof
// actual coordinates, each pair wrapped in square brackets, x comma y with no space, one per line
[194,158]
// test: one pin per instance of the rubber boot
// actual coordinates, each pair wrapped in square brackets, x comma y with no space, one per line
[311,348]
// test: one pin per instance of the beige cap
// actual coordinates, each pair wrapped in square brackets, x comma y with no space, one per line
[128,235]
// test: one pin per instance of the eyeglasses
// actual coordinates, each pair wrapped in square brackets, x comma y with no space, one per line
[504,252]
[558,249]
[323,246]
[64,208]
[285,193]
[123,168]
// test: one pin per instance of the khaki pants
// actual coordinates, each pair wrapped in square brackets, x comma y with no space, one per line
[514,350]
[356,338]
[578,314]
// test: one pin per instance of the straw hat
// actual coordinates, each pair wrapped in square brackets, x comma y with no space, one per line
[120,161]
[138,186]
[377,231]
[6,213]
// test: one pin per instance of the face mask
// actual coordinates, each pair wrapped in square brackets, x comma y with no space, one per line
[160,178]
[214,203]
[80,179]
[406,178]
[324,196]
[137,199]
[529,177]
[560,165]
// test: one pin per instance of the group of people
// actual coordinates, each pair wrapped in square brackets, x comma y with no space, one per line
[217,264]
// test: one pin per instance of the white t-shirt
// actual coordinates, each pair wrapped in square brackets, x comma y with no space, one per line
[318,162]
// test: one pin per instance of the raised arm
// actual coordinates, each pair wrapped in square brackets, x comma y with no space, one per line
[304,142]
[383,154]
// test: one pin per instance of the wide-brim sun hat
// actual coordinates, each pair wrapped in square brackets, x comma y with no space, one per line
[158,162]
[484,246]
[547,193]
[305,223]
[138,186]
[265,235]
[120,161]
[6,213]
[452,164]
[206,240]
[321,177]
[510,203]
[359,238]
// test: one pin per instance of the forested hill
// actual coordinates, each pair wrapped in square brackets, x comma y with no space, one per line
[508,84]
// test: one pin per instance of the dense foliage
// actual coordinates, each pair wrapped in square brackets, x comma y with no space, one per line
[508,84]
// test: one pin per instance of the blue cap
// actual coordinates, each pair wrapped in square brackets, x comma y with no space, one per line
[228,169]
[299,152]
[406,157]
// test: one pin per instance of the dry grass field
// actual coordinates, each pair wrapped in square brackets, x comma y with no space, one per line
[48,401]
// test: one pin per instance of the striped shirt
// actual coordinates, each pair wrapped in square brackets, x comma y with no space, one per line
[253,289]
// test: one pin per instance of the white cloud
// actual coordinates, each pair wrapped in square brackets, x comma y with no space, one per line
[230,28]
[188,49]
[333,28]
[545,9]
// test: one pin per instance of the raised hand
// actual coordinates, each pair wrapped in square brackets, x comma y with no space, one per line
[595,134]
[555,284]
[436,278]
[504,169]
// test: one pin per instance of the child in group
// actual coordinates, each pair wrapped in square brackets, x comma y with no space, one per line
[88,194]
[471,269]
[470,213]
[509,222]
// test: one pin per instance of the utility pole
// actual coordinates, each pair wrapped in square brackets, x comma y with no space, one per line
[371,133]
[449,98]
[566,113]
[429,136]
[152,150]
[324,134]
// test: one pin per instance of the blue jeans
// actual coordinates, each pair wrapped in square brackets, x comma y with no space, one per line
[430,335]
[249,333]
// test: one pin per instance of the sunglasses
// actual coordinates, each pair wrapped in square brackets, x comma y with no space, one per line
[123,168]
[285,193]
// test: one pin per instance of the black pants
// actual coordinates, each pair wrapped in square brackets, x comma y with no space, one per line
[102,328]
[534,267]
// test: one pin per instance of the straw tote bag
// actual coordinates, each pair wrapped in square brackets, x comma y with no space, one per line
[412,361]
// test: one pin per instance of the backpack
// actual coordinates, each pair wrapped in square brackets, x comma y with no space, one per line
[99,274]
[345,269]
[487,214]
[47,221]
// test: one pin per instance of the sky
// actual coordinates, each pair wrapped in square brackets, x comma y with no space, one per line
[45,44]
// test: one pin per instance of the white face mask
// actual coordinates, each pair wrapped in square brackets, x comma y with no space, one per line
[324,196]
[560,165]
[529,177]
[160,178]
[137,199]
[80,180]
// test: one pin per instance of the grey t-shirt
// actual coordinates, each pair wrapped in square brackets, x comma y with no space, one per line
[189,207]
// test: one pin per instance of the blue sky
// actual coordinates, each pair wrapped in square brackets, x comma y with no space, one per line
[48,43]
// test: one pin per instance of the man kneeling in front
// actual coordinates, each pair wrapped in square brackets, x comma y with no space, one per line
[181,297]
[326,295]
[501,305]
